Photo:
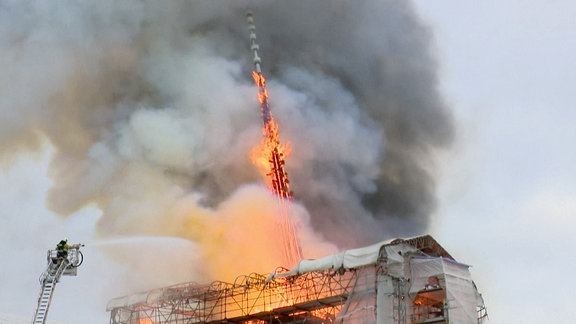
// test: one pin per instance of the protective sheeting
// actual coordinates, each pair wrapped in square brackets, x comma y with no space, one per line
[360,306]
[431,275]
[343,260]
[394,255]
[356,258]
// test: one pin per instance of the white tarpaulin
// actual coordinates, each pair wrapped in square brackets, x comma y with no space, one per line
[355,258]
[460,292]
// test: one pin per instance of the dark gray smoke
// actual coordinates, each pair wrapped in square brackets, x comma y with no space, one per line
[380,54]
[150,103]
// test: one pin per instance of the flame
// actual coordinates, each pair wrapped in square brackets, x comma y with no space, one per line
[145,321]
[259,79]
[262,155]
[269,156]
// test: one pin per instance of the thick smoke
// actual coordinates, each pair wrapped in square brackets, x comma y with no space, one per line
[151,111]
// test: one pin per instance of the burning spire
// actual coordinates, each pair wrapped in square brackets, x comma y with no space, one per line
[269,155]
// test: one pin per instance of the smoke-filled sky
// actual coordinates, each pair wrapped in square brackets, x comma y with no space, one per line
[127,126]
[146,104]
[141,115]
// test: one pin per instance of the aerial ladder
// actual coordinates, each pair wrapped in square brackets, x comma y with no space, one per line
[58,264]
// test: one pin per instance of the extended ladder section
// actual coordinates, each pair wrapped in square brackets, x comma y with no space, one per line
[57,267]
[50,279]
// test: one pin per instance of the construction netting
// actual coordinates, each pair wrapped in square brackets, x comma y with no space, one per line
[443,289]
[360,306]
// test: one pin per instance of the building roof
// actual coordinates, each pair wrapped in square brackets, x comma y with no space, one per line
[392,250]
[426,244]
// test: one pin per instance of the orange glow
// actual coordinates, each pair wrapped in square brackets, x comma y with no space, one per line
[145,321]
[259,79]
[269,157]
[261,155]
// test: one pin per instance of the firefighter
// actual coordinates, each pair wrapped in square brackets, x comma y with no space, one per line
[62,249]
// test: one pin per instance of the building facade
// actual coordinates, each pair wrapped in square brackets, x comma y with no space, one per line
[403,281]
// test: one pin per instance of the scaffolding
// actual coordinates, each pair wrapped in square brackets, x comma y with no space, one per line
[250,298]
[390,282]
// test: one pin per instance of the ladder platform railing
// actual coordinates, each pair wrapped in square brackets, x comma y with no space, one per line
[55,269]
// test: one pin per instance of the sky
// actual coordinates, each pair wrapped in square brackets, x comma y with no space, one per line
[505,187]
[508,189]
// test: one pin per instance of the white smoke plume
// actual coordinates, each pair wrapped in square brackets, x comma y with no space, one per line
[151,113]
